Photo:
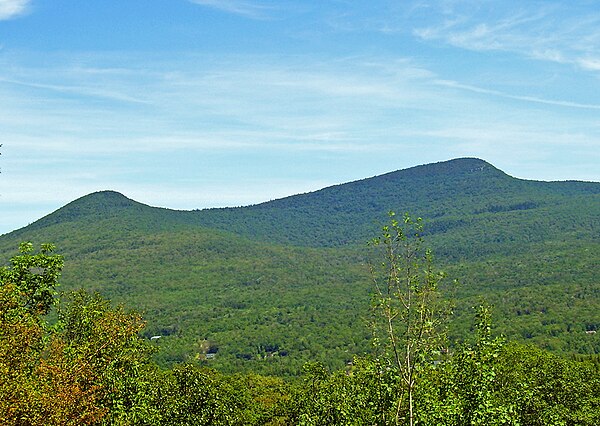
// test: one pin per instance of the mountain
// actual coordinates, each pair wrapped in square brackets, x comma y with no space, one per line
[454,197]
[270,286]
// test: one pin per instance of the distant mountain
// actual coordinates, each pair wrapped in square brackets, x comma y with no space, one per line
[275,284]
[457,195]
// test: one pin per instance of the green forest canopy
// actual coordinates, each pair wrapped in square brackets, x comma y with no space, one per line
[269,287]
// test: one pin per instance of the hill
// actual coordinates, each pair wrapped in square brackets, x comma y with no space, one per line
[472,208]
[269,286]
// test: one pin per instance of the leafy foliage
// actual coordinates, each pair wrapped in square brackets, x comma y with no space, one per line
[92,367]
[485,383]
[408,313]
[34,277]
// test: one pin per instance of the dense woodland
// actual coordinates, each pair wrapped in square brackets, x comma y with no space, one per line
[267,288]
[267,314]
[92,365]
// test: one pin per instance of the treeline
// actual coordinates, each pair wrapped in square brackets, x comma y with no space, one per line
[77,360]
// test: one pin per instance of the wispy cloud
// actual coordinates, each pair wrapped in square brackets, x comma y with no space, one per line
[475,34]
[93,92]
[559,32]
[10,9]
[592,64]
[553,32]
[249,9]
[553,102]
[289,104]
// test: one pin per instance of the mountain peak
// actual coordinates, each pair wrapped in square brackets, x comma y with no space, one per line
[100,203]
[106,195]
[458,166]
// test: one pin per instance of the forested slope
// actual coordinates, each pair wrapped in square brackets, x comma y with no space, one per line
[270,286]
[463,196]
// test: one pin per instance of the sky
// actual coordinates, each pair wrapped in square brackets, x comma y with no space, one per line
[190,104]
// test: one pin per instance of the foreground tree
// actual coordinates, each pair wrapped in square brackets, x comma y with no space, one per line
[547,389]
[91,367]
[81,370]
[408,311]
[34,277]
[475,398]
[38,384]
[103,343]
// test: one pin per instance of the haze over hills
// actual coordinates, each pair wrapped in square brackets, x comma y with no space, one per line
[272,285]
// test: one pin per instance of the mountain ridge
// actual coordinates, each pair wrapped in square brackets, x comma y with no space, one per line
[105,201]
[289,276]
[348,213]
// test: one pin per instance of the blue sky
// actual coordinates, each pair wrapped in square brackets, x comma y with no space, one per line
[204,103]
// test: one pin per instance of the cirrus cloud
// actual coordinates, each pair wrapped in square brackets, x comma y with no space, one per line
[12,8]
[551,32]
[245,8]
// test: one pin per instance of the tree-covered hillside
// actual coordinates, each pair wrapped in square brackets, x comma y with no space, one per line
[92,365]
[270,286]
[459,197]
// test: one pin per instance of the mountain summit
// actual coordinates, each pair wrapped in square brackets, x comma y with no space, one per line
[450,168]
[102,204]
